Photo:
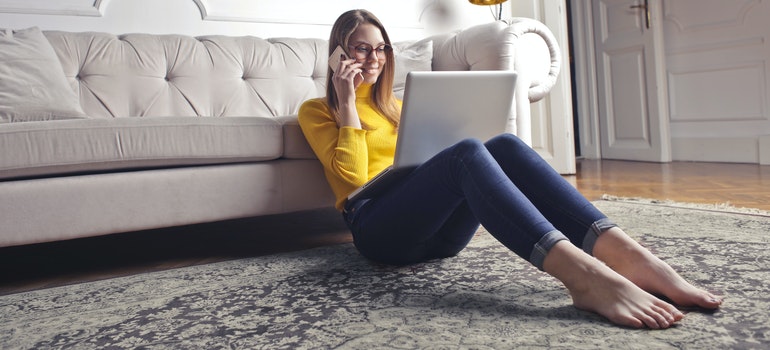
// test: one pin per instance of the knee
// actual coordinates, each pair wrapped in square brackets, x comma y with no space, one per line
[468,147]
[506,142]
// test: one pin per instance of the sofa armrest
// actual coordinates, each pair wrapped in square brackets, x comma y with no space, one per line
[521,44]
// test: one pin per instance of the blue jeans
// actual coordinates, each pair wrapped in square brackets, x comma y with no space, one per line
[502,184]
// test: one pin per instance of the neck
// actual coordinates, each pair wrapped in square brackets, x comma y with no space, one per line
[364,90]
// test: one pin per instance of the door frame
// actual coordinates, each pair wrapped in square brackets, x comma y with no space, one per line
[586,91]
[552,119]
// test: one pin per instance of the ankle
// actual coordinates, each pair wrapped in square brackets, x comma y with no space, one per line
[571,266]
[615,247]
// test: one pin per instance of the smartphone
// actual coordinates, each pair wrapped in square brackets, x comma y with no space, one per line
[334,59]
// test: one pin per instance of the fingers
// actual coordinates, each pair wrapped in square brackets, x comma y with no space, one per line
[347,78]
[348,70]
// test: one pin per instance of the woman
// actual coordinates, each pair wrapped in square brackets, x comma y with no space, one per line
[502,184]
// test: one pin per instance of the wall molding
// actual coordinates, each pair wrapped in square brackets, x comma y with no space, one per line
[92,8]
[690,21]
[716,46]
[733,92]
[282,13]
[248,11]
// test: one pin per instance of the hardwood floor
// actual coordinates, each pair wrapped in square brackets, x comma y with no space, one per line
[742,185]
[61,263]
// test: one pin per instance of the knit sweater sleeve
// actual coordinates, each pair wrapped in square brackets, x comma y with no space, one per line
[343,152]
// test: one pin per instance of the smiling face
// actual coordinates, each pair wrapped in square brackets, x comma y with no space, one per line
[360,34]
[367,37]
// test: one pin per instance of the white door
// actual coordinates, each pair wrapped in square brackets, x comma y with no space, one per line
[630,67]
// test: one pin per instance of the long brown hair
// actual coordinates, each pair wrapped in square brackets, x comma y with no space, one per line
[382,91]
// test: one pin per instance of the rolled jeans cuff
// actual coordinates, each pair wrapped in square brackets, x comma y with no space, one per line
[596,229]
[543,246]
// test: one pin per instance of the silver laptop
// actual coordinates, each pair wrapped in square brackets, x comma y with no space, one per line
[440,109]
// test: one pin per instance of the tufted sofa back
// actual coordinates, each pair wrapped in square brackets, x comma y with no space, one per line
[175,75]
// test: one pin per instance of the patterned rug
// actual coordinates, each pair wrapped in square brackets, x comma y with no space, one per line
[330,297]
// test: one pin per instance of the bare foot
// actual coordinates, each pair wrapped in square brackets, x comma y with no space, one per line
[624,255]
[597,288]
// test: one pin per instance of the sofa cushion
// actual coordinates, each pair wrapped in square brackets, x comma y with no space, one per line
[92,145]
[264,77]
[32,83]
[136,75]
[410,56]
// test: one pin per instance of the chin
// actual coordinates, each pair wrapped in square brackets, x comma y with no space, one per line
[371,79]
[371,75]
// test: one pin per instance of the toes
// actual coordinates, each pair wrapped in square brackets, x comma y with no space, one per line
[678,315]
[650,320]
[710,301]
[701,299]
[633,322]
[663,317]
[656,316]
[672,313]
[630,321]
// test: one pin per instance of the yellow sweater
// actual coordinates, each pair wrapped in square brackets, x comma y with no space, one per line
[350,156]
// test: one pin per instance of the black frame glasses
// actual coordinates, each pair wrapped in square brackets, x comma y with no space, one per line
[362,51]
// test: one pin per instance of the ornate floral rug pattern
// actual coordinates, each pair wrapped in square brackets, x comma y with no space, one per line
[330,297]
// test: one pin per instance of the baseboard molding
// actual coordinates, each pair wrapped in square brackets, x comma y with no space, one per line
[755,150]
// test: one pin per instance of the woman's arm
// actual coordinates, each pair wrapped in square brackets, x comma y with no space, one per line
[343,151]
[346,79]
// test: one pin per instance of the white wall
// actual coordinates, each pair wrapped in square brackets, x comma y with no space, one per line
[718,67]
[262,18]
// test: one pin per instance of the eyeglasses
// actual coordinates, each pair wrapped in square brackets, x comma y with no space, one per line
[362,51]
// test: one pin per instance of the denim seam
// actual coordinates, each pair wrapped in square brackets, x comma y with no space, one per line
[594,231]
[543,246]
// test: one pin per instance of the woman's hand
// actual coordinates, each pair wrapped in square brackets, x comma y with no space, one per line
[346,79]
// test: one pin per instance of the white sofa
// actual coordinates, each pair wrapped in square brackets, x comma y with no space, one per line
[170,130]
